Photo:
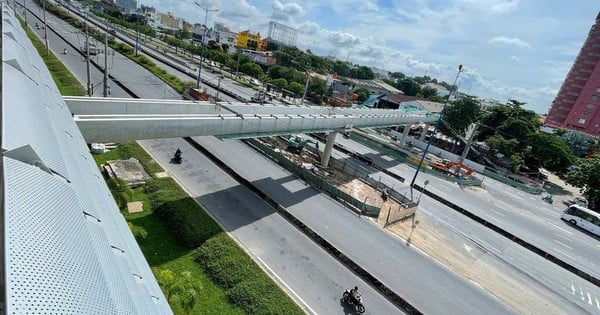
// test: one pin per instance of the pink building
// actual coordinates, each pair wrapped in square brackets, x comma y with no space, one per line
[577,105]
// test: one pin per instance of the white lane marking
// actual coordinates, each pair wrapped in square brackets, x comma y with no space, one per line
[597,303]
[559,251]
[498,212]
[567,246]
[517,197]
[589,298]
[572,289]
[558,227]
[287,286]
[502,204]
[564,237]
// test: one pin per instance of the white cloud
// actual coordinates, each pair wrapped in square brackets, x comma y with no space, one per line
[509,41]
[515,59]
[505,6]
[343,38]
[285,11]
[309,27]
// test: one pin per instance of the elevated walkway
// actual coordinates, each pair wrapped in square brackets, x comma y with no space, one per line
[116,119]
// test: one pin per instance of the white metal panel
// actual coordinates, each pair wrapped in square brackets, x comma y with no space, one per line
[60,260]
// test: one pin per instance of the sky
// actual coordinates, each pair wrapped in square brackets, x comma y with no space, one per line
[510,49]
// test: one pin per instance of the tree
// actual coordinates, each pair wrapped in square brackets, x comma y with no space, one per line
[587,180]
[363,94]
[281,83]
[462,113]
[251,69]
[548,151]
[397,75]
[296,88]
[429,93]
[168,283]
[502,145]
[578,142]
[510,120]
[409,86]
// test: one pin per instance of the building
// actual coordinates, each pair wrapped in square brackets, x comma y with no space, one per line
[576,105]
[248,40]
[127,5]
[263,58]
[169,23]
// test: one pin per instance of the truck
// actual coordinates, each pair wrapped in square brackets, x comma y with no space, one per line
[194,94]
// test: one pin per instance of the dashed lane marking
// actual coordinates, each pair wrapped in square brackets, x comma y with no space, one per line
[565,245]
[558,227]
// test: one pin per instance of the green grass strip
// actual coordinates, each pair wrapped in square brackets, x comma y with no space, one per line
[173,225]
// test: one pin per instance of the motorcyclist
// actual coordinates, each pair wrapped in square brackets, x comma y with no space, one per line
[178,154]
[355,295]
[65,51]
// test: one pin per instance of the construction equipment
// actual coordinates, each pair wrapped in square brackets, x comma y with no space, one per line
[296,144]
[452,168]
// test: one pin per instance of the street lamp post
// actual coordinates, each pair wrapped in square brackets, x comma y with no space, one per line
[137,20]
[45,29]
[206,10]
[437,124]
[422,189]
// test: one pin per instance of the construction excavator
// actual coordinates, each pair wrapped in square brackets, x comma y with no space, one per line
[452,168]
[296,144]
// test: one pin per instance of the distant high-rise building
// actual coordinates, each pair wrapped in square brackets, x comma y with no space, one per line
[576,107]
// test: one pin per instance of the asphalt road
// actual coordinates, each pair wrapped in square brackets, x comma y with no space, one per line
[422,282]
[522,214]
[571,287]
[311,275]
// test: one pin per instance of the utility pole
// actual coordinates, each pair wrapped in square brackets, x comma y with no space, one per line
[25,8]
[137,19]
[472,131]
[218,86]
[106,60]
[45,30]
[206,10]
[305,88]
[237,67]
[87,58]
[437,124]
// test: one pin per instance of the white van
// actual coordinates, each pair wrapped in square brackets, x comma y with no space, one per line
[583,218]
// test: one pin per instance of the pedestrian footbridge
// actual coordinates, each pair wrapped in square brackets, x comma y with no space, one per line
[117,120]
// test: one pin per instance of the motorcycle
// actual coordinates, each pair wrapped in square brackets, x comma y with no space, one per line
[356,302]
[177,159]
[548,199]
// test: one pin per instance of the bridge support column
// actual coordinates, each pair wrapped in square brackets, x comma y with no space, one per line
[328,148]
[424,133]
[404,135]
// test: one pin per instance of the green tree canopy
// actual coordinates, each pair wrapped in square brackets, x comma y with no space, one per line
[429,93]
[251,69]
[363,94]
[409,86]
[281,83]
[510,120]
[462,113]
[548,151]
[296,87]
[587,179]
[578,142]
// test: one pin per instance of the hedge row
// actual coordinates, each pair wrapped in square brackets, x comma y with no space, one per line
[245,284]
[187,221]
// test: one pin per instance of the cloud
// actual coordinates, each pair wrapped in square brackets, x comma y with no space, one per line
[505,6]
[343,38]
[494,6]
[515,59]
[309,27]
[509,41]
[285,11]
